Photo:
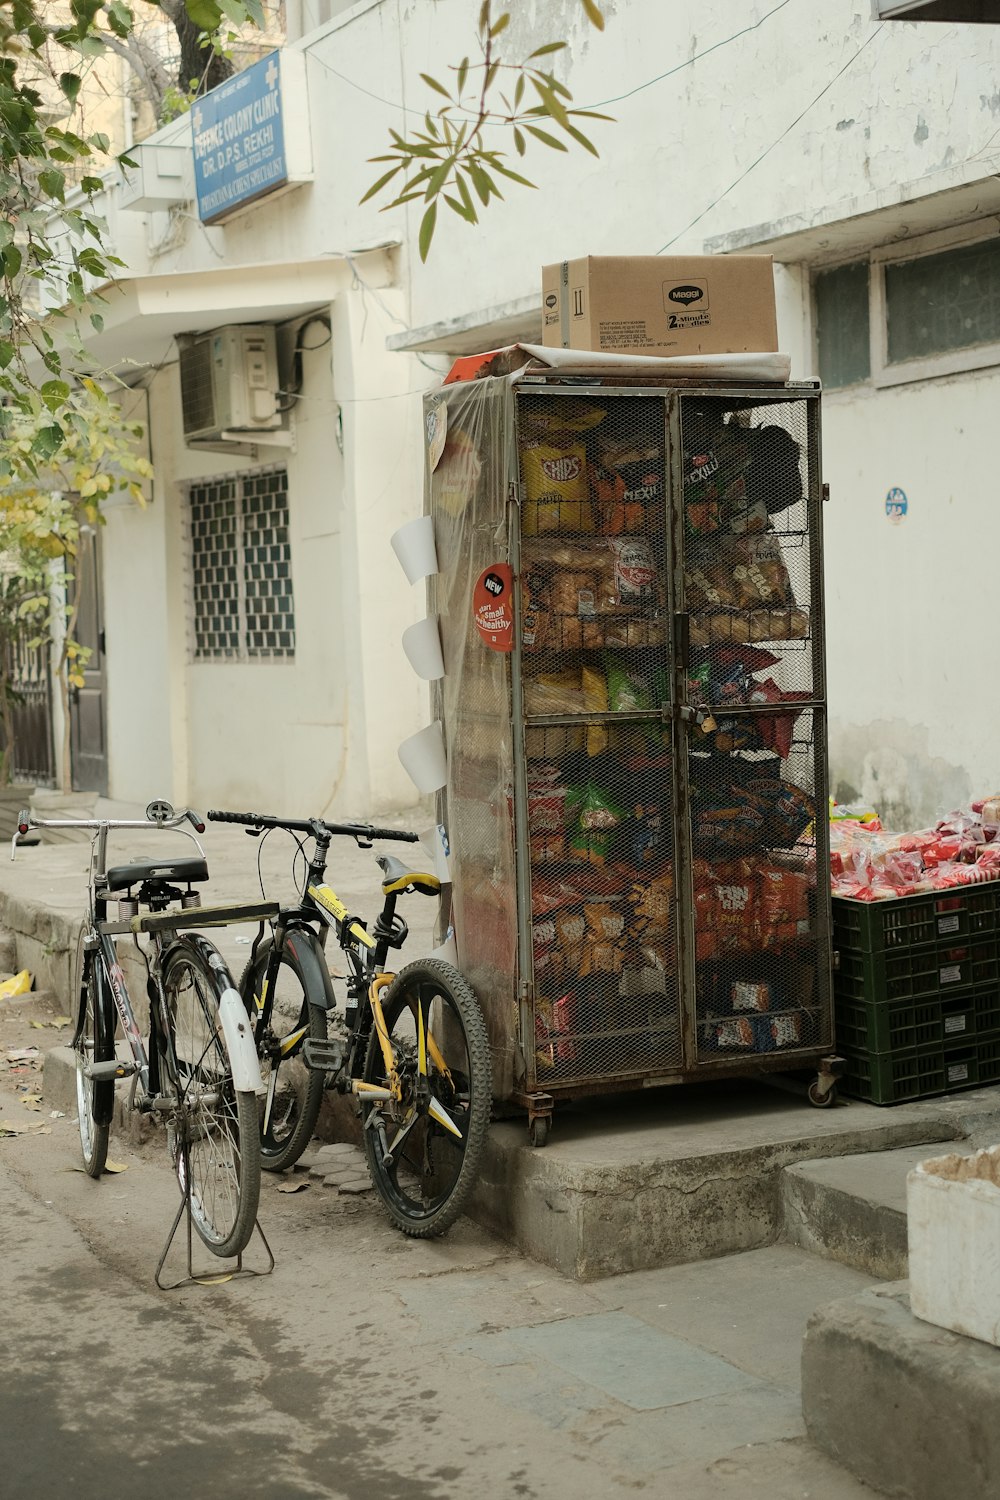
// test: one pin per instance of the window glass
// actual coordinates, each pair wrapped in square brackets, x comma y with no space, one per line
[946,301]
[841,300]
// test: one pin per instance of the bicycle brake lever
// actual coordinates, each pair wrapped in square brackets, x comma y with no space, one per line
[363,843]
[253,833]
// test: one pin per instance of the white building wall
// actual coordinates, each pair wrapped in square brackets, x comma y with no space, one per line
[737,122]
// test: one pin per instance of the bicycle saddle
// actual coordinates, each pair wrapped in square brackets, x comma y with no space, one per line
[399,878]
[188,870]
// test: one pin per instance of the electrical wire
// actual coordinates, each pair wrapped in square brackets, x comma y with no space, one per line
[787,131]
[696,57]
[616,99]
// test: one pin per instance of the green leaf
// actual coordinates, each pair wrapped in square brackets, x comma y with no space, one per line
[204,14]
[460,209]
[519,91]
[120,18]
[6,353]
[520,144]
[100,142]
[427,224]
[484,15]
[543,51]
[594,15]
[466,197]
[53,183]
[54,393]
[70,85]
[481,181]
[500,25]
[11,257]
[377,187]
[545,138]
[498,166]
[97,321]
[437,179]
[578,135]
[48,441]
[255,11]
[432,83]
[463,73]
[6,232]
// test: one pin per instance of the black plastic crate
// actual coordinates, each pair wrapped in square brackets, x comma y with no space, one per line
[920,1072]
[933,969]
[896,1026]
[910,921]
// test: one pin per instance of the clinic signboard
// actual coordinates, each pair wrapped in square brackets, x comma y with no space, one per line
[238,133]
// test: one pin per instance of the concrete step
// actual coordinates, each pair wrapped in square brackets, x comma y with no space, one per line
[853,1208]
[907,1407]
[680,1176]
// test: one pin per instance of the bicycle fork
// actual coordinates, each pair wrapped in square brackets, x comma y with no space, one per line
[424,1101]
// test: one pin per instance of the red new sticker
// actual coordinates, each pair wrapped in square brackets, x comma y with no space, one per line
[493,607]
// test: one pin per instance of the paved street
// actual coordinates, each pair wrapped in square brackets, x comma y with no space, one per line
[372,1365]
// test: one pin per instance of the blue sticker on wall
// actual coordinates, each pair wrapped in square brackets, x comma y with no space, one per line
[896,504]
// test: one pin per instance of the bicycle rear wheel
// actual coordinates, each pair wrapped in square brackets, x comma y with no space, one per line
[212,1132]
[290,1109]
[424,1150]
[93,1042]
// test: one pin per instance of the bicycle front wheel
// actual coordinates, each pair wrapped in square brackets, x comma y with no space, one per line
[282,1021]
[93,1042]
[212,1132]
[424,1149]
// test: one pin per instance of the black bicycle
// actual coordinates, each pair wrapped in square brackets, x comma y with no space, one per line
[411,1046]
[198,1071]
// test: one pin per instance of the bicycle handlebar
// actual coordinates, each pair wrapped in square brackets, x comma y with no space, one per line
[26,821]
[314,826]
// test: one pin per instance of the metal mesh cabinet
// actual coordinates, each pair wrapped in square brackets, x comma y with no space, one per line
[637,775]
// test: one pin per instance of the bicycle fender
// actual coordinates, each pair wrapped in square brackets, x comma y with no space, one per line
[239,1040]
[311,960]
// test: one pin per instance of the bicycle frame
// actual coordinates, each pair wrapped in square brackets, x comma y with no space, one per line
[367,953]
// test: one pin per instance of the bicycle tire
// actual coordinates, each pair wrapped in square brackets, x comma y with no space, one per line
[298,1093]
[212,1131]
[93,1042]
[423,1196]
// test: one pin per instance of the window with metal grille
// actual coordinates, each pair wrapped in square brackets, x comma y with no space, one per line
[241,569]
[911,311]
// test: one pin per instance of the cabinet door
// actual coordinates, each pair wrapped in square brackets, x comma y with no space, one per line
[593,690]
[753,747]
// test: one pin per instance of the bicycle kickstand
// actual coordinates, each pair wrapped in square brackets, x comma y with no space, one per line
[210,1277]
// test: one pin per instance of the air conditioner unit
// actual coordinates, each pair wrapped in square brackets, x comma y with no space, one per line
[229,382]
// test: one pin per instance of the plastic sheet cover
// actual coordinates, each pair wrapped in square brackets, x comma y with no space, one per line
[467,429]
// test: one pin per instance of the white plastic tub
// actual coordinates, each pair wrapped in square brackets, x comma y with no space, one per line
[953,1218]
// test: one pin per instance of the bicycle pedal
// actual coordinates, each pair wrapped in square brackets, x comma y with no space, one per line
[107,1072]
[323,1055]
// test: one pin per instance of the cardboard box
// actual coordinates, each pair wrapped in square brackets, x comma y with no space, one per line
[661,305]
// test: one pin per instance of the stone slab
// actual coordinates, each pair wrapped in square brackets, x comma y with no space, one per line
[853,1208]
[907,1407]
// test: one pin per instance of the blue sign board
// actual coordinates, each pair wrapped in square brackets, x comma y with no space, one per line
[238,136]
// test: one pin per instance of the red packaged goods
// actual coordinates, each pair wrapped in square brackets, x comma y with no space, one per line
[726,909]
[750,995]
[783,906]
[628,478]
[553,1027]
[738,1032]
[785,1030]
